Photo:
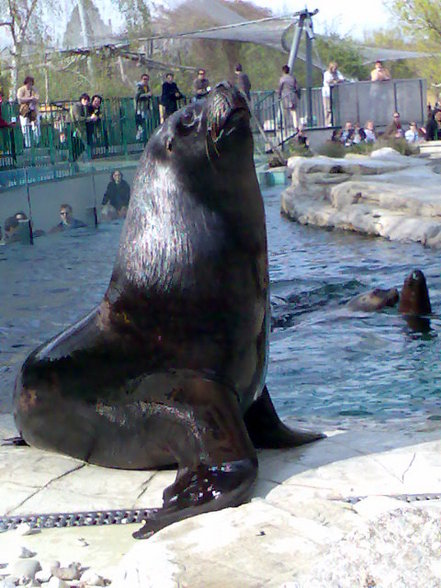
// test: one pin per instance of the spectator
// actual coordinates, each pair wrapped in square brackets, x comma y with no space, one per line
[347,135]
[28,98]
[170,95]
[94,126]
[394,129]
[359,135]
[433,126]
[201,85]
[331,78]
[369,132]
[301,138]
[336,136]
[413,134]
[7,140]
[67,220]
[242,81]
[80,113]
[116,197]
[287,93]
[380,73]
[142,104]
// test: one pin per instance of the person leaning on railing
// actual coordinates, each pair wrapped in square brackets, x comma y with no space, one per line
[80,114]
[331,78]
[28,99]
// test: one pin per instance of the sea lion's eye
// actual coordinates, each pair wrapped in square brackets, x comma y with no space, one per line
[187,117]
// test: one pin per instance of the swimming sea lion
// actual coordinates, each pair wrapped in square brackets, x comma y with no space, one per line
[374,300]
[170,368]
[414,297]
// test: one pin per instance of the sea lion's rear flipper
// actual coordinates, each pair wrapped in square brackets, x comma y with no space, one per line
[216,459]
[267,431]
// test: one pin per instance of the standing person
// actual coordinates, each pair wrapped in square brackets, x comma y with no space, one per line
[28,98]
[242,81]
[201,85]
[142,104]
[287,93]
[170,95]
[7,140]
[94,126]
[380,73]
[80,115]
[331,78]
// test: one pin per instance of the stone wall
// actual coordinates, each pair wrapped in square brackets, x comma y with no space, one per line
[385,194]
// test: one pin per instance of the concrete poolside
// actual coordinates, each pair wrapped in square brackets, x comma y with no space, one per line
[299,529]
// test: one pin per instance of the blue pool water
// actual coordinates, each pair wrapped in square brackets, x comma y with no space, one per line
[328,366]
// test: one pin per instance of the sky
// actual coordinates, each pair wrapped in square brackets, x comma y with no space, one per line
[336,16]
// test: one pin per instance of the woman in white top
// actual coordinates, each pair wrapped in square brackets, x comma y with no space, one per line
[331,78]
[28,98]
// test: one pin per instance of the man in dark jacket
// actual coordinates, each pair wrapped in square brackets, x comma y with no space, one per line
[170,95]
[242,81]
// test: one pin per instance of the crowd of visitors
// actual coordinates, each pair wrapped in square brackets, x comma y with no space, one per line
[89,128]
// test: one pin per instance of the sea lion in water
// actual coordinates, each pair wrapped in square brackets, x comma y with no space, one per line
[414,297]
[374,300]
[170,368]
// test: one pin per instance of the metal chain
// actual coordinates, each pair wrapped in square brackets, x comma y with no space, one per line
[75,519]
[403,497]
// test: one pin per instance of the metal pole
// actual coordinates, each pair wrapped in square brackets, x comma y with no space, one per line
[309,79]
[296,40]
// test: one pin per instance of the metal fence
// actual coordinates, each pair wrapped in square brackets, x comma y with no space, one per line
[56,144]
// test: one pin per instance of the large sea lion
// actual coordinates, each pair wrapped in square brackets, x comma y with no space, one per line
[414,297]
[170,368]
[376,299]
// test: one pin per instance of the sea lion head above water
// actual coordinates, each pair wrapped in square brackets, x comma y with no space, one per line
[414,297]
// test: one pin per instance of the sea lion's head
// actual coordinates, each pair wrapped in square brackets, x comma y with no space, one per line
[414,298]
[211,134]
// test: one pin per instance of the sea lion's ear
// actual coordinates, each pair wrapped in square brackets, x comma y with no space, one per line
[169,144]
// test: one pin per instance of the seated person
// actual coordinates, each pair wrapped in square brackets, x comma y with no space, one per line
[413,134]
[347,135]
[433,126]
[369,132]
[116,198]
[22,218]
[394,129]
[67,220]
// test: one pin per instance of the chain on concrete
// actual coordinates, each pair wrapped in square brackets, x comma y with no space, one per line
[403,497]
[75,519]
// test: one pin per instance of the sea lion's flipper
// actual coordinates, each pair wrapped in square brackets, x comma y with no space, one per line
[267,431]
[15,442]
[216,459]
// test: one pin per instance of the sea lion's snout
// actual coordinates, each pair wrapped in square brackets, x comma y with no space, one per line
[225,102]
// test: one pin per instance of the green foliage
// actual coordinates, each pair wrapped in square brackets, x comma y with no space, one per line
[343,50]
[337,150]
[332,149]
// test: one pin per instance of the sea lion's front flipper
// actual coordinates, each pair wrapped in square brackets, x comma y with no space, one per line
[267,431]
[217,462]
[14,442]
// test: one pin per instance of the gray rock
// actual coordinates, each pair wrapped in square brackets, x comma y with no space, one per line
[25,568]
